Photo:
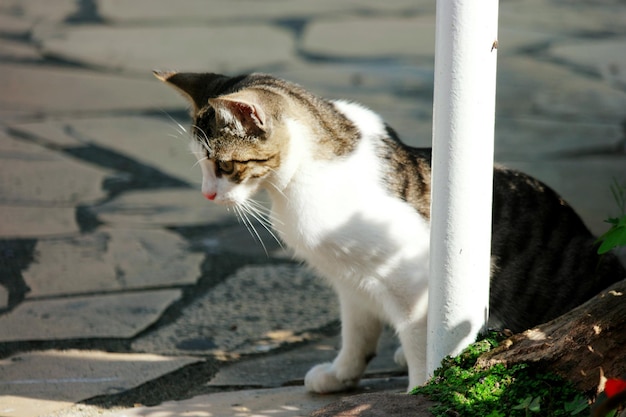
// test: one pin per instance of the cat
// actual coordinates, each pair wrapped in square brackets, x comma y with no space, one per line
[350,199]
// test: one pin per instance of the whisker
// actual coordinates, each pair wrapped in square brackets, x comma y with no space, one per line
[266,211]
[198,161]
[180,129]
[258,215]
[250,226]
[205,138]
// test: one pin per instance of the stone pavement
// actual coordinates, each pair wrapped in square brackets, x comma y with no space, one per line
[124,293]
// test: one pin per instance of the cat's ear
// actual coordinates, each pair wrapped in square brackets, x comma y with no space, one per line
[197,87]
[244,110]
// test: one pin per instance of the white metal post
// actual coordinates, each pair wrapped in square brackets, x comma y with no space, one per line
[463,129]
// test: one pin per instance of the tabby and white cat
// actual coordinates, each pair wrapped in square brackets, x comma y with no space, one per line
[354,202]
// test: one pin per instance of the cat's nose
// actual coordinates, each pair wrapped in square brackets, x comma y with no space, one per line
[210,196]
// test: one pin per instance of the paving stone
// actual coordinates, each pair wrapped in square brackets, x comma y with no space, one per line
[605,57]
[40,89]
[111,260]
[224,10]
[102,316]
[142,49]
[163,207]
[39,10]
[14,26]
[513,41]
[242,240]
[55,133]
[537,138]
[355,37]
[31,174]
[555,93]
[582,182]
[289,368]
[31,222]
[378,404]
[561,17]
[18,51]
[281,402]
[40,383]
[256,310]
[152,141]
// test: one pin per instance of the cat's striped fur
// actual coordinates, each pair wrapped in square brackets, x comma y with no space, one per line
[354,202]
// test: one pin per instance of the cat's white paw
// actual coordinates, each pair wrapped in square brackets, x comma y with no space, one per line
[399,358]
[323,379]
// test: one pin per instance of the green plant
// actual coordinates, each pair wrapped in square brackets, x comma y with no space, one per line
[462,389]
[616,235]
[529,404]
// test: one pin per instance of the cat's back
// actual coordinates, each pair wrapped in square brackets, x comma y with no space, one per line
[545,259]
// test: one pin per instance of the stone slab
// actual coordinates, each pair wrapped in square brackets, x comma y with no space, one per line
[554,92]
[256,310]
[20,221]
[111,260]
[606,57]
[355,37]
[54,133]
[245,10]
[163,207]
[141,49]
[39,10]
[280,402]
[583,182]
[18,51]
[38,90]
[33,175]
[153,141]
[40,383]
[538,138]
[562,17]
[13,26]
[289,368]
[114,315]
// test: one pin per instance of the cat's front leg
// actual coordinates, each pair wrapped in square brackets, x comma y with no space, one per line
[360,330]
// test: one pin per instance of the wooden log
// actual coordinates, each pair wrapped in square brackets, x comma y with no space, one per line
[581,346]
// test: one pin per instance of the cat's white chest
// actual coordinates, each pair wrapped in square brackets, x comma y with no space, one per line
[340,218]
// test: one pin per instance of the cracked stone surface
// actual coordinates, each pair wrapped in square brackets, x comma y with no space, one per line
[98,316]
[108,249]
[43,382]
[111,260]
[256,310]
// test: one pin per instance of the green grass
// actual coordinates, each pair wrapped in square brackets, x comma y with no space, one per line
[520,390]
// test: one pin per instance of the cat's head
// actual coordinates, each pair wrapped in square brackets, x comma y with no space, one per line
[239,132]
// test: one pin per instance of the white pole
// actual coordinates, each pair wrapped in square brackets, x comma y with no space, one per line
[463,128]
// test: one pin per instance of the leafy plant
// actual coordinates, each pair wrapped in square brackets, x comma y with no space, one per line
[529,404]
[517,391]
[616,235]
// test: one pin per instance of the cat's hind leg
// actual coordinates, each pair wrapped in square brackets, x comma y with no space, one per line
[360,330]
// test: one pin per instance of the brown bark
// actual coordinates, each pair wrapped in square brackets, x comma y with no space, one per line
[580,346]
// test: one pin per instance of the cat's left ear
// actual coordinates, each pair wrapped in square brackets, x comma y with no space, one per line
[244,110]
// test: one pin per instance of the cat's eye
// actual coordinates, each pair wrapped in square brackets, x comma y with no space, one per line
[226,167]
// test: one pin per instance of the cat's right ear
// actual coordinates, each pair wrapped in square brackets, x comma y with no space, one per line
[197,87]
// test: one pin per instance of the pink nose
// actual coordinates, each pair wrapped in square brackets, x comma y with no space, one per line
[210,196]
